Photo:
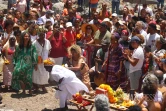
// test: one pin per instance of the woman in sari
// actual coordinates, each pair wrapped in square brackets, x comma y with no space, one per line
[24,60]
[8,52]
[78,65]
[115,70]
[43,46]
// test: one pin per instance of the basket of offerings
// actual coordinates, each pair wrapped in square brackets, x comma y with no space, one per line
[48,64]
[118,99]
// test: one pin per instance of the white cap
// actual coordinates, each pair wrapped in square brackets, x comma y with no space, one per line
[69,24]
[121,22]
[48,20]
[106,20]
[114,14]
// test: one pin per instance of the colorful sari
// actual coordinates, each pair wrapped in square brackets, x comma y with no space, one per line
[24,61]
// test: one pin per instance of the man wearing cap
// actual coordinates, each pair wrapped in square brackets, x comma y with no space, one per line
[152,36]
[57,43]
[136,62]
[39,21]
[69,35]
[48,15]
[124,40]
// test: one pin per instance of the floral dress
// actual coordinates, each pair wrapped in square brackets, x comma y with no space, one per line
[24,61]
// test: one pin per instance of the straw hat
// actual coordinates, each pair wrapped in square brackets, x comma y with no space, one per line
[94,28]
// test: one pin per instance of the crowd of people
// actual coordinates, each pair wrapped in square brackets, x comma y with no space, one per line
[127,52]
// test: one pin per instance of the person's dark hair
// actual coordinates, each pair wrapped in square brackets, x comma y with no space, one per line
[17,32]
[130,26]
[7,23]
[147,14]
[32,28]
[47,26]
[26,14]
[91,28]
[56,25]
[134,108]
[66,5]
[147,49]
[163,42]
[136,30]
[21,44]
[159,75]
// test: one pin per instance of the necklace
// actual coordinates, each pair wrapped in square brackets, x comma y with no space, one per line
[41,43]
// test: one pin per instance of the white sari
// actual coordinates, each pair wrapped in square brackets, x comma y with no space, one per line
[41,76]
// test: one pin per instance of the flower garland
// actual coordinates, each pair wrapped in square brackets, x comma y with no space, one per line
[110,93]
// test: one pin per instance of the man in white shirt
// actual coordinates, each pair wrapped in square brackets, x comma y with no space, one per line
[148,9]
[47,16]
[152,36]
[140,26]
[136,62]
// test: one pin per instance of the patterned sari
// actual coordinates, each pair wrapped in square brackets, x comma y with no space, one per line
[115,58]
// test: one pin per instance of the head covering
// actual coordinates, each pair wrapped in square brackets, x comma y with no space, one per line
[135,38]
[152,25]
[48,20]
[41,29]
[121,22]
[104,24]
[117,36]
[49,12]
[69,24]
[39,21]
[108,22]
[83,28]
[163,61]
[125,33]
[16,25]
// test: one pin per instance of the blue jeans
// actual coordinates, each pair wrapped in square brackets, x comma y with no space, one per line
[28,5]
[80,2]
[115,5]
[160,2]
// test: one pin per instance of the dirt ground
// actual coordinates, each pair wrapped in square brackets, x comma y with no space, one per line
[38,102]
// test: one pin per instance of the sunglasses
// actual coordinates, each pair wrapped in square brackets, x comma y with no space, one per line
[88,28]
